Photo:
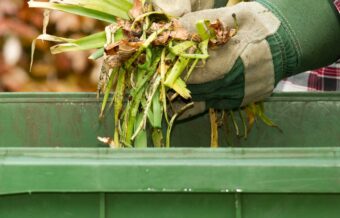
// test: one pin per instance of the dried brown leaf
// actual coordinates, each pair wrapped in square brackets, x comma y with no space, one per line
[108,141]
[178,31]
[222,33]
[121,51]
[162,39]
[129,31]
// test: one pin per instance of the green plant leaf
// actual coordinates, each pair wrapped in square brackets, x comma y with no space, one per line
[96,40]
[104,10]
[46,37]
[97,54]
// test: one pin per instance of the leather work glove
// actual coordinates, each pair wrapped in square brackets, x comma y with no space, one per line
[178,8]
[273,42]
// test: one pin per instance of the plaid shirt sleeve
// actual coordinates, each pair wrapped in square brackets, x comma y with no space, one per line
[328,78]
[337,5]
[323,79]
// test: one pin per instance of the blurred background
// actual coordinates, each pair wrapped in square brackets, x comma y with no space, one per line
[71,72]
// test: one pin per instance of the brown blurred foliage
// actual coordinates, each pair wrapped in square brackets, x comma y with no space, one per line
[19,26]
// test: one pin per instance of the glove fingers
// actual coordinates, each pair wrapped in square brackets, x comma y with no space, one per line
[174,8]
[246,82]
[226,93]
[178,8]
[252,18]
[255,24]
[197,109]
[197,5]
[219,63]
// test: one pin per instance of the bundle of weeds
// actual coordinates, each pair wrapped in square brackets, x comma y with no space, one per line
[148,57]
[146,60]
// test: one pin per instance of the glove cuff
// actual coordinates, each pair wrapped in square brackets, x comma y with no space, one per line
[312,28]
[284,46]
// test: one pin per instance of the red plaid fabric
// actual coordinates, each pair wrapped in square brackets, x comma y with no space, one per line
[325,79]
[337,5]
[328,78]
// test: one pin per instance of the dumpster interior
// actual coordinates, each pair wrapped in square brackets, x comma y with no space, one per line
[71,120]
[52,165]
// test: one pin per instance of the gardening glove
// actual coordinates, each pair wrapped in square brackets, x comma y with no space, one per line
[178,8]
[272,43]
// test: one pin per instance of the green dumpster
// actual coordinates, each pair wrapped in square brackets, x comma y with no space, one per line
[51,164]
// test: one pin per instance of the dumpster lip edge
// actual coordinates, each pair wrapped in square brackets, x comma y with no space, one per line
[42,173]
[62,97]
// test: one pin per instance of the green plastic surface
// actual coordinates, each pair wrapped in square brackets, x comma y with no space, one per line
[264,170]
[51,164]
[177,205]
[71,120]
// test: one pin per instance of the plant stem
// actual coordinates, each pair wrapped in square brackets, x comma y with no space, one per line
[245,129]
[148,105]
[172,121]
[214,129]
[108,90]
[163,70]
[176,71]
[141,140]
[234,123]
[118,105]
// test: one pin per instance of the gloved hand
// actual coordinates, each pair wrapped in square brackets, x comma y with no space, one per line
[178,8]
[273,42]
[242,71]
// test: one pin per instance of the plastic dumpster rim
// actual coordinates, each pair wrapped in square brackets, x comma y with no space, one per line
[311,170]
[250,170]
[91,97]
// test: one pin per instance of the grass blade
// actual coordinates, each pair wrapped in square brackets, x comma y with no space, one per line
[73,9]
[163,69]
[118,104]
[46,37]
[180,47]
[172,121]
[214,129]
[93,41]
[237,130]
[117,8]
[122,4]
[157,110]
[176,71]
[181,88]
[266,120]
[157,137]
[141,140]
[245,128]
[107,91]
[98,54]
[155,87]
